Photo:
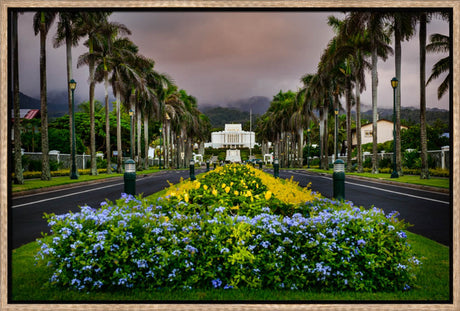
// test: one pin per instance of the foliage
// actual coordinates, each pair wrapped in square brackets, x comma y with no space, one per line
[320,245]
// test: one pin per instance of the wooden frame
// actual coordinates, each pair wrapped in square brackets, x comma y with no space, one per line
[241,4]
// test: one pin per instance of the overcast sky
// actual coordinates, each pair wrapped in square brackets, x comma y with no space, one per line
[226,56]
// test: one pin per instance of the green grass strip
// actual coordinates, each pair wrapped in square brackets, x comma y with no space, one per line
[31,184]
[408,179]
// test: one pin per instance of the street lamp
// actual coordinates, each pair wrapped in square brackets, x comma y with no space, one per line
[394,84]
[131,112]
[161,144]
[336,111]
[308,152]
[73,169]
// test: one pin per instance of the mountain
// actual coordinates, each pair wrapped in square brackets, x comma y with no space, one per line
[411,115]
[219,116]
[57,103]
[259,104]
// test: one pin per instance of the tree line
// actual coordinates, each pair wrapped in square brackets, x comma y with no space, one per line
[361,39]
[114,60]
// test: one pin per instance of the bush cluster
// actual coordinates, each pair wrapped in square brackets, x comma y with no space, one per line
[193,239]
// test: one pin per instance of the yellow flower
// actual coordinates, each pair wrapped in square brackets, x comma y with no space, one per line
[205,187]
[186,197]
[236,192]
[223,186]
[268,195]
[198,184]
[249,193]
[227,189]
[231,184]
[235,207]
[166,219]
[214,191]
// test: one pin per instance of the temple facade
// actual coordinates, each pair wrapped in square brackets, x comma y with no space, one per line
[233,137]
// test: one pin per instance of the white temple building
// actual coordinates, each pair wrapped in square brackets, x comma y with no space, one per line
[233,137]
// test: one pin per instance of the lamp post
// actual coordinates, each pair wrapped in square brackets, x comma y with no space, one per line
[336,111]
[276,168]
[161,144]
[192,170]
[73,170]
[394,84]
[308,149]
[131,112]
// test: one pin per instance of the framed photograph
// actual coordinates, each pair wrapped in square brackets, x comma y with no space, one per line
[229,155]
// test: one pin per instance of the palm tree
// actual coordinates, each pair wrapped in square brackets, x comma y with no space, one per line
[92,24]
[374,24]
[350,55]
[122,71]
[42,23]
[66,33]
[103,52]
[440,44]
[18,176]
[403,28]
[424,173]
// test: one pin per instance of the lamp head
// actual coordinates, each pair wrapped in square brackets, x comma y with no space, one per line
[394,82]
[72,84]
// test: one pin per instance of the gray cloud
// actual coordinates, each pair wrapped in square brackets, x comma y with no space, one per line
[225,56]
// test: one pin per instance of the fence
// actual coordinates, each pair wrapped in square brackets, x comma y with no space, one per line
[441,158]
[64,159]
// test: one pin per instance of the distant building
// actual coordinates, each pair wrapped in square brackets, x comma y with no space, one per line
[233,137]
[27,114]
[384,132]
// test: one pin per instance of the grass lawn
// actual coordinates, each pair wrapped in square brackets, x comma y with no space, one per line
[409,179]
[30,184]
[29,284]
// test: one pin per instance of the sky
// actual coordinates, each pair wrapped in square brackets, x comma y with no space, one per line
[220,57]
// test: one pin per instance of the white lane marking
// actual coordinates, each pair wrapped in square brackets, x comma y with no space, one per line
[66,195]
[396,192]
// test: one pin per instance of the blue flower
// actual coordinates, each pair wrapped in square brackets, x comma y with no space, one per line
[224,250]
[402,234]
[228,286]
[216,283]
[361,242]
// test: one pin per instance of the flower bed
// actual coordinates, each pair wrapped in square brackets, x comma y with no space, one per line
[231,228]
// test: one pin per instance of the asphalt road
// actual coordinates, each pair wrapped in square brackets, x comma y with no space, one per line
[26,212]
[430,213]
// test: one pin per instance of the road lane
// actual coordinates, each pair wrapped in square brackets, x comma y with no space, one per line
[26,212]
[429,213]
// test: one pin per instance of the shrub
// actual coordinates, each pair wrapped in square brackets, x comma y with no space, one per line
[186,241]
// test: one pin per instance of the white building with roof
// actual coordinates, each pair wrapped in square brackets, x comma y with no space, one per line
[233,137]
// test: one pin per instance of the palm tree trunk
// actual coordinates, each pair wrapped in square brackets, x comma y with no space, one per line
[424,174]
[107,123]
[358,129]
[146,141]
[68,46]
[349,140]
[139,137]
[375,164]
[18,176]
[300,148]
[119,152]
[397,27]
[92,126]
[43,104]
[325,140]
